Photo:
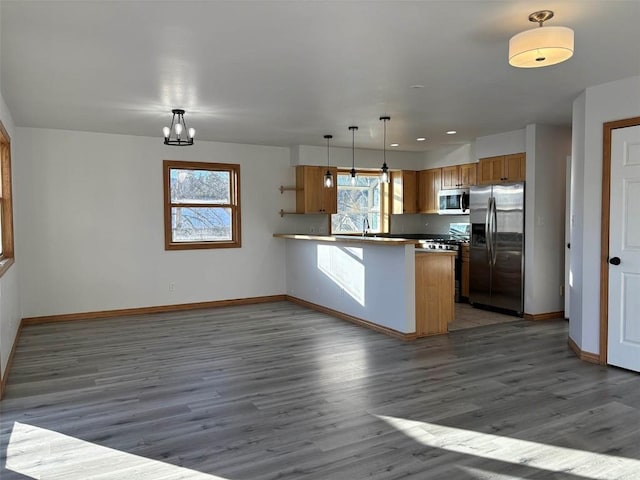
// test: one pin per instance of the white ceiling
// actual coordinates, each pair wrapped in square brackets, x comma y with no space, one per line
[288,72]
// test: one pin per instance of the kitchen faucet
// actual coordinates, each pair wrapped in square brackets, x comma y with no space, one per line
[365,226]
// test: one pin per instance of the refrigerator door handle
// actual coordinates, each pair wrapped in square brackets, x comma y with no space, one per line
[494,231]
[487,232]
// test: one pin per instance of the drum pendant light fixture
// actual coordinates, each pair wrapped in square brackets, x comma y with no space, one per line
[384,171]
[353,129]
[541,47]
[177,127]
[328,178]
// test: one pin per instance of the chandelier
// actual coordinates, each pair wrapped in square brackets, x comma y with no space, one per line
[178,126]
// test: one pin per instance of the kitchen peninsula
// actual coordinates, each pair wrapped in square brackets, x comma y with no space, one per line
[387,284]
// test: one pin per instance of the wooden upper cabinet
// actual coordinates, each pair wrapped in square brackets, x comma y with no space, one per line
[468,174]
[503,168]
[404,192]
[490,170]
[429,185]
[450,177]
[459,176]
[311,194]
[515,167]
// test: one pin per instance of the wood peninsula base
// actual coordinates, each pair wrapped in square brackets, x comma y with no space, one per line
[435,291]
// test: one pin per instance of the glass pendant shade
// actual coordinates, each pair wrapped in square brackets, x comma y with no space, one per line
[384,173]
[328,179]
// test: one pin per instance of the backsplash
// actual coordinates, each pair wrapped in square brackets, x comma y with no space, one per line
[425,223]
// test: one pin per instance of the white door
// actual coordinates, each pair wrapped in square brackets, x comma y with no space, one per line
[624,250]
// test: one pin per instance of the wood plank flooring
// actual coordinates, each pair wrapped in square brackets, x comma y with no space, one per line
[277,391]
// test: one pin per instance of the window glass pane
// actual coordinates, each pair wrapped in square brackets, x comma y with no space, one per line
[357,203]
[200,224]
[200,186]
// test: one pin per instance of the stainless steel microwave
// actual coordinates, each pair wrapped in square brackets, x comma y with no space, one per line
[453,202]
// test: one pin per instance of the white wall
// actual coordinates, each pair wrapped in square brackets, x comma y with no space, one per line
[91,224]
[598,105]
[364,158]
[370,282]
[501,144]
[576,218]
[450,155]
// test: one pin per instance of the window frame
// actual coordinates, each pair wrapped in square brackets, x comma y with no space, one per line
[6,202]
[384,202]
[234,205]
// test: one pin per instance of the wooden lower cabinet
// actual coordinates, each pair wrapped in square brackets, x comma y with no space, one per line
[464,278]
[435,290]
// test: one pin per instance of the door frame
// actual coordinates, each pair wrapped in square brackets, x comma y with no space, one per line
[604,229]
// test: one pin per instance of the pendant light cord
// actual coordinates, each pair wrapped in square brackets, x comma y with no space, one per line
[328,138]
[384,138]
[353,149]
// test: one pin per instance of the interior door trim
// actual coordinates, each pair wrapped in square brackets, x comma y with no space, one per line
[604,229]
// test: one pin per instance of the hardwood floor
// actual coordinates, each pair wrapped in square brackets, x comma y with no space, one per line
[277,391]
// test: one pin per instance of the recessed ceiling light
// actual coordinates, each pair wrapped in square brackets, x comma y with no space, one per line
[451,132]
[394,145]
[417,86]
[420,139]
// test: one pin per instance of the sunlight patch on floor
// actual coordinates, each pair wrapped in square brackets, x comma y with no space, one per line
[40,453]
[551,458]
[480,474]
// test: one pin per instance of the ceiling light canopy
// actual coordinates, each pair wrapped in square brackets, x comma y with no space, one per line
[541,47]
[178,126]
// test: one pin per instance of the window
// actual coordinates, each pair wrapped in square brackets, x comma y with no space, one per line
[201,205]
[364,201]
[6,202]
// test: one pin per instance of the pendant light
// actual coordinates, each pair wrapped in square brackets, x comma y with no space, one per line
[384,171]
[328,178]
[178,126]
[353,129]
[541,47]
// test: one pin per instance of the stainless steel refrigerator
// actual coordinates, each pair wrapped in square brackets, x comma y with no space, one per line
[496,250]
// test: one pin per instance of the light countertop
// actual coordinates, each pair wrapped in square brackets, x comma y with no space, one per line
[349,239]
[390,242]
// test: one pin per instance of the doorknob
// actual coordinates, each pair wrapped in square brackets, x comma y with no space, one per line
[614,261]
